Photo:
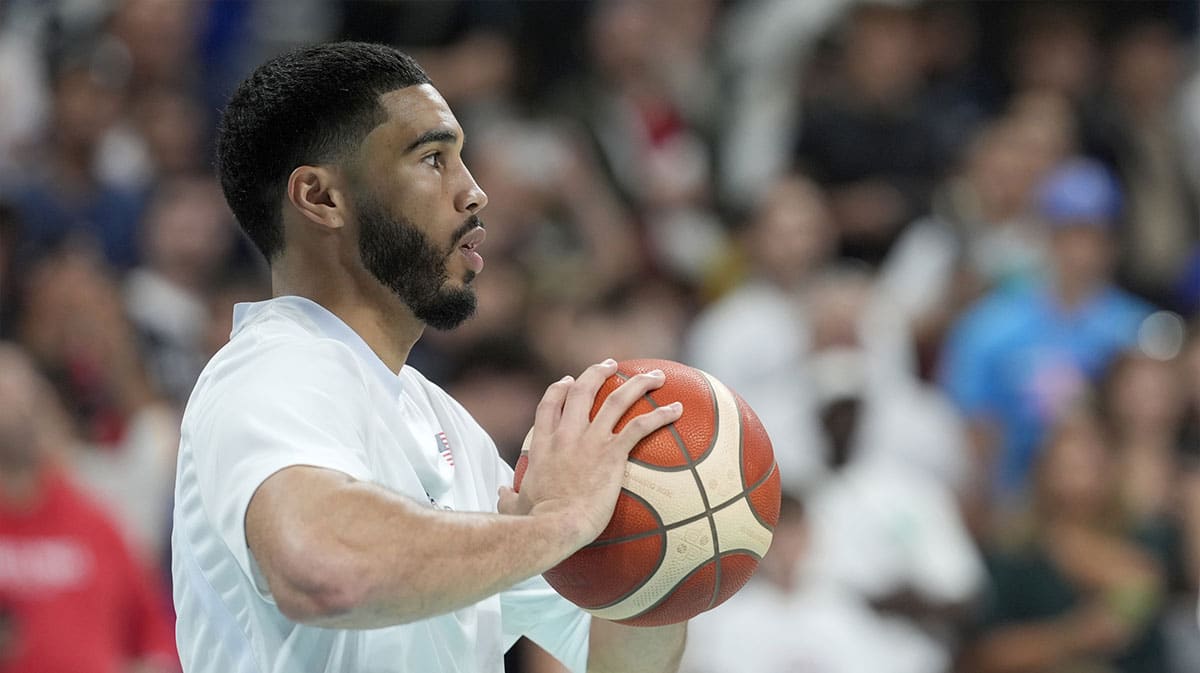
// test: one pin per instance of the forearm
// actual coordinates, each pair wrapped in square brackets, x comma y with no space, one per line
[1025,648]
[615,648]
[365,557]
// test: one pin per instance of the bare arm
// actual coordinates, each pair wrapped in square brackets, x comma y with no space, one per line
[348,554]
[337,552]
[614,648]
[1090,631]
[627,649]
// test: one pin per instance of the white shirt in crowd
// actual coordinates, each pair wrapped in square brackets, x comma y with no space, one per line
[882,525]
[764,629]
[296,386]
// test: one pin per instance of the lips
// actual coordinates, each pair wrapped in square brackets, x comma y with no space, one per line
[472,238]
[467,245]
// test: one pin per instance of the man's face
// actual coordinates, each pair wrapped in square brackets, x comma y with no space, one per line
[413,266]
[417,208]
[1083,252]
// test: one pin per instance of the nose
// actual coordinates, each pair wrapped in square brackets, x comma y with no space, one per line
[472,199]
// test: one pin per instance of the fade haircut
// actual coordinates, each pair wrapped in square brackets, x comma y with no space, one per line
[310,106]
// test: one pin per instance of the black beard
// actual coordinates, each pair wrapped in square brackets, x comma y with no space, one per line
[406,261]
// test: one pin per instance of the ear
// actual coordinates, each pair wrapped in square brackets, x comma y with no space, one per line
[316,193]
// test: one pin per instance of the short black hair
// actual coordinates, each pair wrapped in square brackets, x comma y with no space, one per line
[308,106]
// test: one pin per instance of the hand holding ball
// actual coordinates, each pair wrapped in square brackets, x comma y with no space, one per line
[696,511]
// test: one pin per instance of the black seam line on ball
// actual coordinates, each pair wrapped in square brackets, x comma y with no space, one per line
[685,578]
[662,555]
[662,530]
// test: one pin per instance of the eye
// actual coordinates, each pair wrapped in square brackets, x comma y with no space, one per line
[434,160]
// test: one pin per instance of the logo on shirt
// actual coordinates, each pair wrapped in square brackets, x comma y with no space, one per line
[444,448]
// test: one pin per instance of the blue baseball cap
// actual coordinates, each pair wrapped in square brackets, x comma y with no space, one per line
[1080,192]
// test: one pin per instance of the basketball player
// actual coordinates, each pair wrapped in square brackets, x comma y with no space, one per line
[334,510]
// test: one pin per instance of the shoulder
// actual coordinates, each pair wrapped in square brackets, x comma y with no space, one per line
[264,371]
[1125,305]
[279,361]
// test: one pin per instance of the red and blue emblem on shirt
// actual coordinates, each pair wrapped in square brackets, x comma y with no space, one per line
[444,448]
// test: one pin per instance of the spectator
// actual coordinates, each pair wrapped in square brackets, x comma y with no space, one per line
[871,142]
[658,157]
[1148,65]
[73,596]
[981,233]
[1144,402]
[161,138]
[1022,354]
[61,197]
[1054,48]
[187,239]
[765,46]
[557,216]
[886,530]
[786,242]
[782,621]
[469,47]
[76,330]
[1071,588]
[160,39]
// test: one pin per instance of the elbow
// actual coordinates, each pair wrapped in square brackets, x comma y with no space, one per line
[317,605]
[318,587]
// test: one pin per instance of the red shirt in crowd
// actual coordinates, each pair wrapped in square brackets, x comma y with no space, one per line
[73,599]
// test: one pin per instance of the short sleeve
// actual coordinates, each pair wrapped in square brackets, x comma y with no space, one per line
[291,404]
[535,610]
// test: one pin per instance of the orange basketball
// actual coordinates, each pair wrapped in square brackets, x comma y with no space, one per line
[696,512]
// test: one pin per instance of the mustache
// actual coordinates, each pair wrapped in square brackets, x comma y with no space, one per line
[468,225]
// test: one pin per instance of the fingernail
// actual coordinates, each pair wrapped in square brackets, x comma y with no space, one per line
[657,373]
[676,406]
[566,378]
[609,362]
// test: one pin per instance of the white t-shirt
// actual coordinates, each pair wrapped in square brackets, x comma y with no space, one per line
[763,629]
[296,386]
[881,525]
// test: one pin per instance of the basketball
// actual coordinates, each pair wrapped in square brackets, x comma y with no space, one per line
[696,511]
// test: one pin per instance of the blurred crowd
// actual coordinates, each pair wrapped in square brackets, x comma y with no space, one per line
[949,251]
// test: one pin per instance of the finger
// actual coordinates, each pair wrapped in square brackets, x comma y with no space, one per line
[642,425]
[550,409]
[620,400]
[582,395]
[507,504]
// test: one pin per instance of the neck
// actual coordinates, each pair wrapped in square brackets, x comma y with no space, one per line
[1073,291]
[373,311]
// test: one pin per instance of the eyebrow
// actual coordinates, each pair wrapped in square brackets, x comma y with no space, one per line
[429,137]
